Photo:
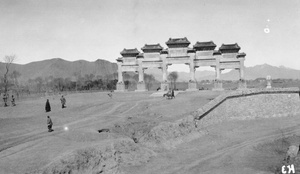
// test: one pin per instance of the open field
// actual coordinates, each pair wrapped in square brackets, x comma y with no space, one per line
[228,147]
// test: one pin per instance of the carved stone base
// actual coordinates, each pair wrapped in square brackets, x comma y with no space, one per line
[164,86]
[141,87]
[192,86]
[120,87]
[242,85]
[218,86]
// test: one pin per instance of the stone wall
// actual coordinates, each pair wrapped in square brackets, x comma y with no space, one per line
[250,103]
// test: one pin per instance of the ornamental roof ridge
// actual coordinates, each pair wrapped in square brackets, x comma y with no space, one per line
[130,51]
[178,41]
[205,44]
[229,46]
[152,47]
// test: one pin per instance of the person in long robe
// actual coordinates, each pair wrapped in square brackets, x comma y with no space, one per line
[48,107]
[5,99]
[13,103]
[63,101]
[49,124]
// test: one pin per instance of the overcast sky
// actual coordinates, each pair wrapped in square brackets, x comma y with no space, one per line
[35,30]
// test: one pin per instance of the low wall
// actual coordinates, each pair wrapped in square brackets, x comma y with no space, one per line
[250,103]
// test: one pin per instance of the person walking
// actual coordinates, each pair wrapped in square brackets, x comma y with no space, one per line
[5,99]
[63,101]
[49,124]
[13,100]
[48,107]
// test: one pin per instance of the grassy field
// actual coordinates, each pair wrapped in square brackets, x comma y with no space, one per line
[229,147]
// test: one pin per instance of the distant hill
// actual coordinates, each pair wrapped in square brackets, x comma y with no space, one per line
[58,67]
[263,71]
[250,73]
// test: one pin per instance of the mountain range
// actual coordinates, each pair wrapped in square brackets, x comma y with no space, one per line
[258,71]
[58,67]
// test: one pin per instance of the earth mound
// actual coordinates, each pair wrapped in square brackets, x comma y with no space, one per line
[104,158]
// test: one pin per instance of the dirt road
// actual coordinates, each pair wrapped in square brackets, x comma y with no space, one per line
[26,145]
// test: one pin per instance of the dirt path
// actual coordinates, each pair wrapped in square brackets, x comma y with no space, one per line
[25,143]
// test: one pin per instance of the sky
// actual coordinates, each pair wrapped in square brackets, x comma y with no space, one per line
[36,30]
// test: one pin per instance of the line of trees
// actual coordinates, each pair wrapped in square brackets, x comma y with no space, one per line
[79,83]
[10,81]
[131,80]
[172,77]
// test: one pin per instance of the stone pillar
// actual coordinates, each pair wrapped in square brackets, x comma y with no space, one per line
[269,79]
[120,84]
[141,86]
[164,86]
[242,82]
[192,82]
[242,70]
[120,73]
[218,86]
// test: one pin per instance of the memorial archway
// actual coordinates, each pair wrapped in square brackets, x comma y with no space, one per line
[178,52]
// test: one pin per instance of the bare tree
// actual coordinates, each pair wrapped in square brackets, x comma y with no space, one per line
[8,60]
[149,80]
[173,76]
[77,76]
[14,76]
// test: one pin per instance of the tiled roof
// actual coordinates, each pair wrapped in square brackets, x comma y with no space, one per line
[152,47]
[178,41]
[230,47]
[141,55]
[240,55]
[191,50]
[205,44]
[129,52]
[119,59]
[164,51]
[217,52]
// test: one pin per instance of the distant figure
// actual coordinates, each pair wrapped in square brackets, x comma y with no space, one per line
[158,89]
[168,95]
[110,94]
[13,100]
[48,107]
[173,96]
[63,102]
[5,99]
[49,124]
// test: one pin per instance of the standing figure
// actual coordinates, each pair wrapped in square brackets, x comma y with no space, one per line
[173,96]
[48,107]
[63,101]
[49,124]
[13,100]
[5,99]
